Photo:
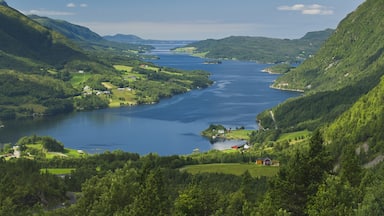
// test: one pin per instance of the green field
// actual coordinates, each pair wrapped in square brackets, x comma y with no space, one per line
[78,79]
[291,137]
[232,168]
[238,134]
[57,171]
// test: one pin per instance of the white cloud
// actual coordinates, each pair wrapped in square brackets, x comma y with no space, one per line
[314,9]
[47,13]
[71,5]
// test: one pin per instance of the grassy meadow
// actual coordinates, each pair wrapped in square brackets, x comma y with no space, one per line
[232,168]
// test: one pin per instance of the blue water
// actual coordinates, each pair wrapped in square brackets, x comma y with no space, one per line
[240,91]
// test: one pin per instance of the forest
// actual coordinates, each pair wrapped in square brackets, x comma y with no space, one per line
[122,183]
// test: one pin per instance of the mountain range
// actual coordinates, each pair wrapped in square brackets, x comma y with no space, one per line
[260,49]
[85,38]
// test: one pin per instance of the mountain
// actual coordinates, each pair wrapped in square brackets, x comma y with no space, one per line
[124,38]
[261,49]
[71,31]
[362,124]
[349,65]
[351,54]
[26,39]
[42,72]
[85,38]
[2,2]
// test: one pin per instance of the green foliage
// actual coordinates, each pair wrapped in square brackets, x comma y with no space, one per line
[350,167]
[261,49]
[279,68]
[26,38]
[299,179]
[48,143]
[197,200]
[334,197]
[314,110]
[363,122]
[24,189]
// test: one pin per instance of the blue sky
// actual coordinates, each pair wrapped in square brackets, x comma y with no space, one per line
[195,19]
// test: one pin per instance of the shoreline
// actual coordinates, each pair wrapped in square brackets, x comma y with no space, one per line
[286,89]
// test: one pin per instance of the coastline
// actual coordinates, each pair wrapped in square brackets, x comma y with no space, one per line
[269,71]
[286,89]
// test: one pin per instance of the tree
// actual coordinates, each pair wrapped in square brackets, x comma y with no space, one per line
[195,200]
[152,198]
[300,178]
[373,201]
[350,169]
[334,197]
[319,162]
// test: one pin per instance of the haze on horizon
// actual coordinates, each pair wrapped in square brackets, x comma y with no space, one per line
[195,20]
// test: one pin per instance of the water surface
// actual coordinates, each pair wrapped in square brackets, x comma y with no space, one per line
[240,91]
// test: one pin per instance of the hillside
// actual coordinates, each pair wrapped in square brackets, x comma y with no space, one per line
[261,49]
[362,123]
[42,72]
[351,54]
[26,39]
[124,38]
[349,65]
[85,38]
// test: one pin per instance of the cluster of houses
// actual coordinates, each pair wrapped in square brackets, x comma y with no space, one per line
[265,161]
[89,91]
[15,154]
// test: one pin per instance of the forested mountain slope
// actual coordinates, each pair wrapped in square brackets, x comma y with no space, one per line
[363,122]
[26,39]
[261,49]
[349,65]
[351,54]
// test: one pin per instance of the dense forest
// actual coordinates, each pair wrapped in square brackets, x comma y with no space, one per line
[121,183]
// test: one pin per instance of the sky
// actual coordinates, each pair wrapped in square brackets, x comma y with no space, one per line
[195,19]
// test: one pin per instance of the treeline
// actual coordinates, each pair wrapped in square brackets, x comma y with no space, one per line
[121,183]
[261,49]
[309,112]
[26,95]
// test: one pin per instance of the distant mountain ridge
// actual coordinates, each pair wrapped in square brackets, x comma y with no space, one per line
[260,49]
[122,38]
[85,38]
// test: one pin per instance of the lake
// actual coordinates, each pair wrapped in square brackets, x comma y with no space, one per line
[240,91]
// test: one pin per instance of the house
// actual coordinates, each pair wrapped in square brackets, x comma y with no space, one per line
[264,161]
